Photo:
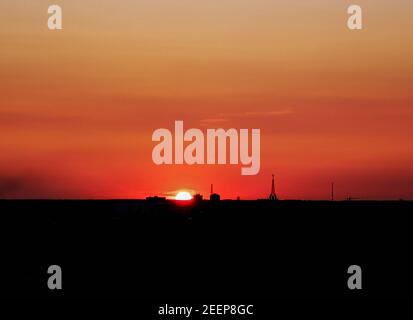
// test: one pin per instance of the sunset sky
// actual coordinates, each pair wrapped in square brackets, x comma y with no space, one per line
[78,106]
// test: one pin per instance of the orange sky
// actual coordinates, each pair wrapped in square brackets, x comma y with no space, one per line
[78,106]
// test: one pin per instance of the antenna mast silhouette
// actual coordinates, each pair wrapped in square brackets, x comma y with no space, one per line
[214,196]
[273,196]
[332,191]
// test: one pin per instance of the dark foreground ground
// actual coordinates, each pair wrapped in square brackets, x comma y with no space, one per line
[233,250]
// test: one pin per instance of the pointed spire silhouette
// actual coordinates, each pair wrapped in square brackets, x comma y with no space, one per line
[273,196]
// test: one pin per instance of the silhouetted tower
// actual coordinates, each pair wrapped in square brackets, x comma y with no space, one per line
[214,196]
[273,196]
[332,191]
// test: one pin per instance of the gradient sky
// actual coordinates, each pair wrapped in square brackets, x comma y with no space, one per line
[78,106]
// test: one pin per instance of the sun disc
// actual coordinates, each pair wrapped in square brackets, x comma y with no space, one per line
[183,196]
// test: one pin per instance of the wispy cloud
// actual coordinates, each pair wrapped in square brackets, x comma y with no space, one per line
[214,120]
[227,117]
[266,113]
[173,193]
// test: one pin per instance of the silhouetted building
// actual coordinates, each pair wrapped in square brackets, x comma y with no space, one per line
[156,199]
[198,198]
[273,196]
[214,196]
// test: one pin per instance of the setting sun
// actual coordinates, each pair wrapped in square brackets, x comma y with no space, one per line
[183,195]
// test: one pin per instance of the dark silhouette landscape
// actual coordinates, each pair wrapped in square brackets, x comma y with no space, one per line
[160,249]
